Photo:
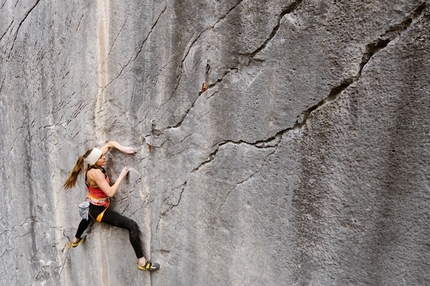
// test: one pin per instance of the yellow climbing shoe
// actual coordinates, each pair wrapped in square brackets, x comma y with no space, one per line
[76,243]
[150,266]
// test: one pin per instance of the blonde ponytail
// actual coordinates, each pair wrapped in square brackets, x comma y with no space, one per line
[73,176]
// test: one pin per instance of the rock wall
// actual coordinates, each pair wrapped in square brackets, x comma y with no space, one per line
[306,162]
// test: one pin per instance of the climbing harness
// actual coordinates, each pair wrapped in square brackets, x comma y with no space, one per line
[98,201]
[100,216]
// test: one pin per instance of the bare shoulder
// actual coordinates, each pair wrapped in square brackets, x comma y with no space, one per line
[95,174]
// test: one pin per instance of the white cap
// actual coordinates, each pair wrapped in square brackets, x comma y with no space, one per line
[93,157]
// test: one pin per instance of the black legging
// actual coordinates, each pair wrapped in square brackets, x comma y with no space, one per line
[113,218]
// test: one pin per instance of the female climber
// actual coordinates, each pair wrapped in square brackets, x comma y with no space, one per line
[99,192]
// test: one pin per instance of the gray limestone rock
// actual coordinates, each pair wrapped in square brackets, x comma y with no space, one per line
[305,162]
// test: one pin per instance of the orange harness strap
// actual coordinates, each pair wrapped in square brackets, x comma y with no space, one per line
[100,216]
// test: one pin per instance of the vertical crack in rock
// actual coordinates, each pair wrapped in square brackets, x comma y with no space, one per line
[150,32]
[1,85]
[104,62]
[194,102]
[224,201]
[125,201]
[196,169]
[8,28]
[28,171]
[188,49]
[20,24]
[133,58]
[287,10]
[259,144]
[244,181]
[185,114]
[65,251]
[210,158]
[175,204]
[150,77]
[371,49]
[79,23]
[115,39]
[192,43]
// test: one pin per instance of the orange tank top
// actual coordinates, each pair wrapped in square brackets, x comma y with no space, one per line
[96,196]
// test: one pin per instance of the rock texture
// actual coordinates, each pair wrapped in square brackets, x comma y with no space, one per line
[306,162]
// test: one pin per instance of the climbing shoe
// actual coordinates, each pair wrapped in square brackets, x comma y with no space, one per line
[74,244]
[150,266]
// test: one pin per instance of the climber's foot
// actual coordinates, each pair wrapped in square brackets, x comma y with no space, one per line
[77,241]
[150,266]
